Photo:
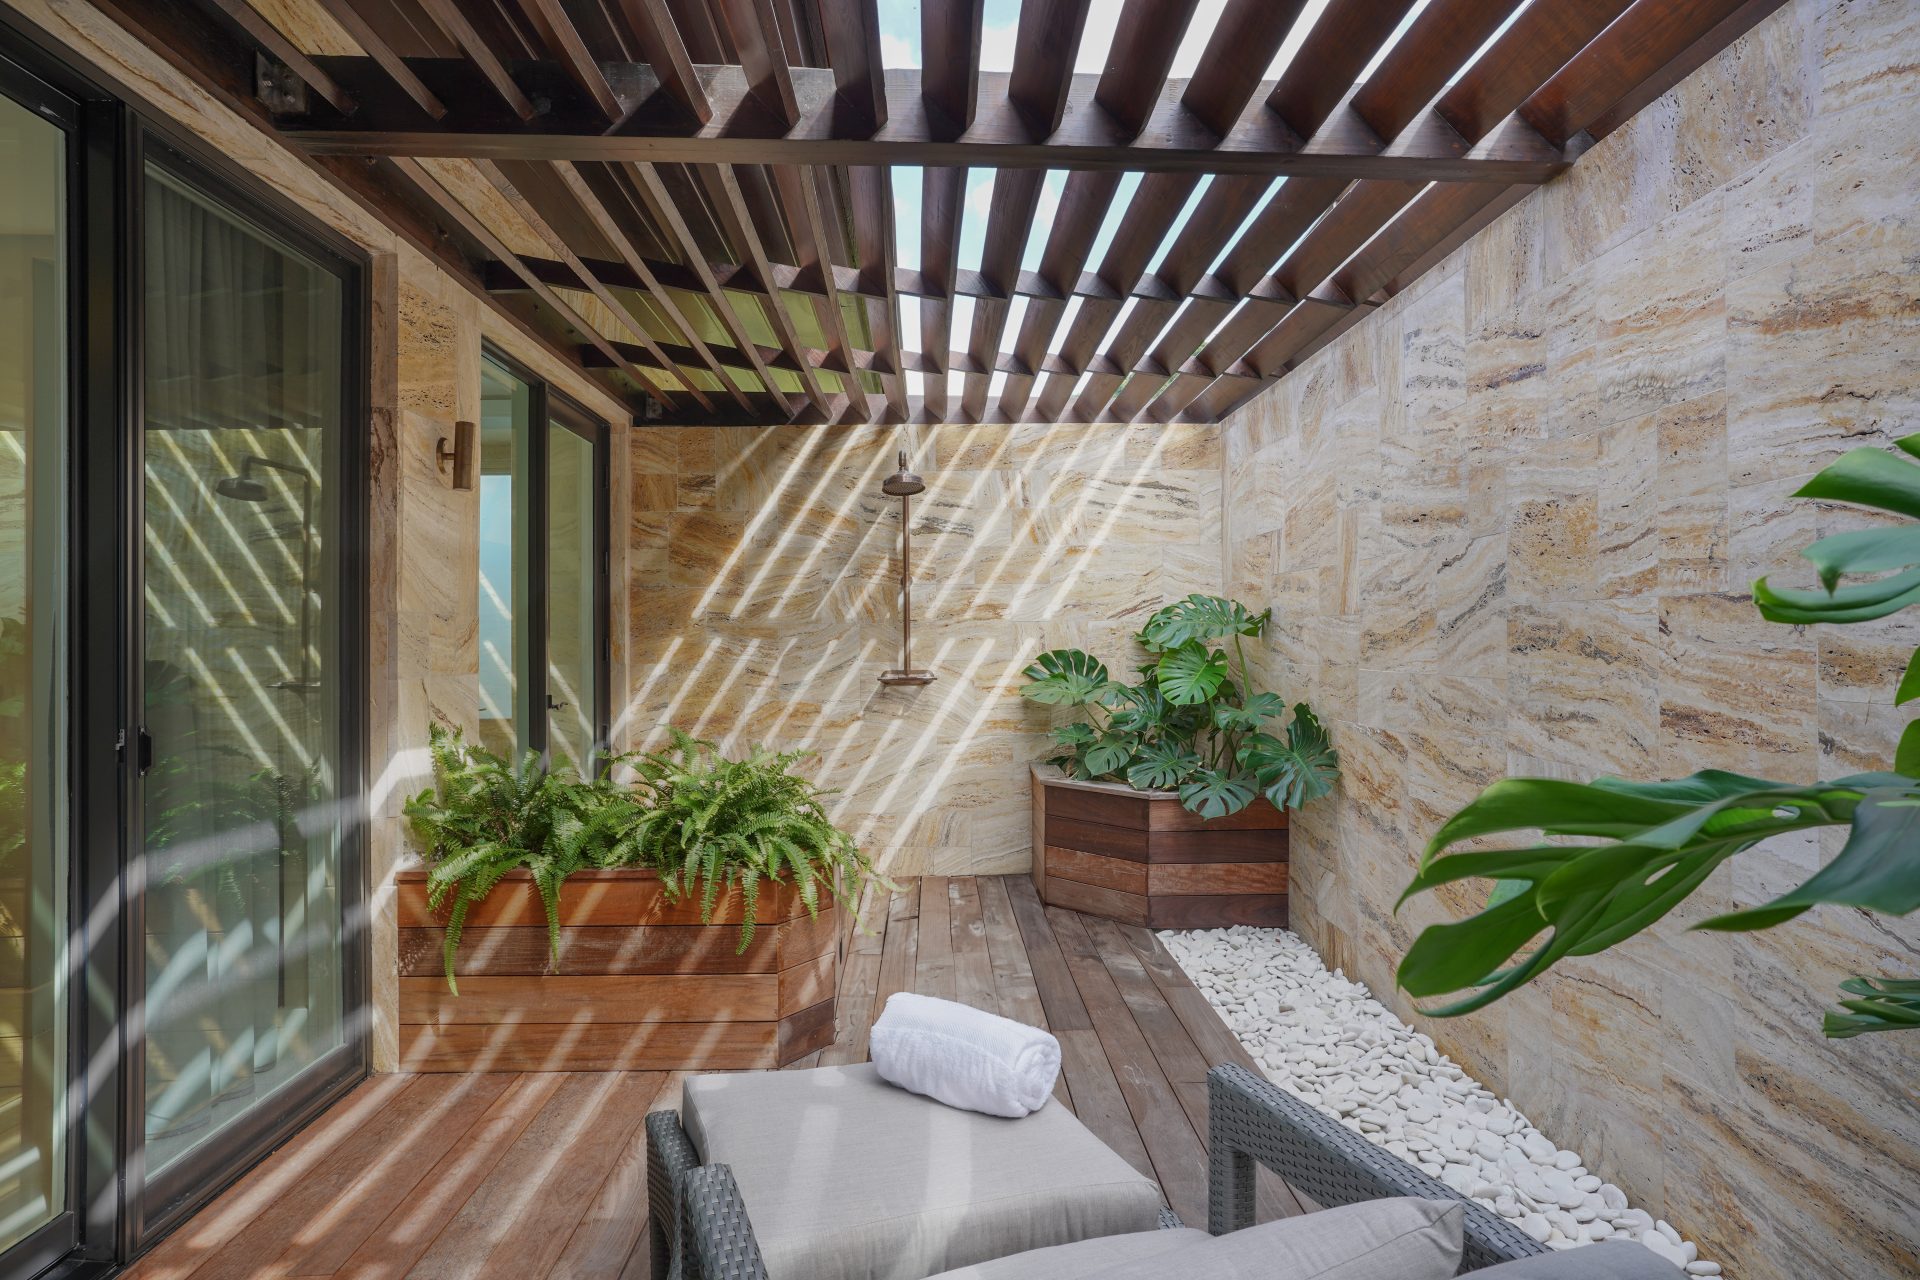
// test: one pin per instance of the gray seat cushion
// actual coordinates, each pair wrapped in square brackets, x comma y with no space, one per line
[1084,1259]
[847,1178]
[1404,1239]
[1607,1260]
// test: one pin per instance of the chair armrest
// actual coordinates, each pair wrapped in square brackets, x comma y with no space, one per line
[716,1239]
[1250,1119]
[670,1155]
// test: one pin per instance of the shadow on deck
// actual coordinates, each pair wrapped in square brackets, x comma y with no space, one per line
[524,1176]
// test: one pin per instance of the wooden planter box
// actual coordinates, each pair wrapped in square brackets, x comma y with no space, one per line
[640,983]
[1140,858]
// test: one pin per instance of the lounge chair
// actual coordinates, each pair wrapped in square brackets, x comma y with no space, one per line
[982,1199]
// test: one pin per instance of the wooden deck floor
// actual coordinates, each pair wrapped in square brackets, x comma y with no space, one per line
[523,1176]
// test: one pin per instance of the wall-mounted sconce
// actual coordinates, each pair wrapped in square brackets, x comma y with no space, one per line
[903,484]
[459,453]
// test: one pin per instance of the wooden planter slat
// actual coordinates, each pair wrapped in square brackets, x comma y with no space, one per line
[1141,858]
[639,983]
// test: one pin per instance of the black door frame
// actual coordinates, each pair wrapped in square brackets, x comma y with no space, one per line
[111,1214]
[547,407]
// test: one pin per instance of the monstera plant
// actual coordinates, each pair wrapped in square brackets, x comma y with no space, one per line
[1192,722]
[1645,846]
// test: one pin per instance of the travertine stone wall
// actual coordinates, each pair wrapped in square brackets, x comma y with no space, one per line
[763,571]
[426,335]
[1508,525]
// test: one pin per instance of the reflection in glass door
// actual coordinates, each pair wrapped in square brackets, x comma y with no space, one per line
[241,780]
[574,633]
[33,710]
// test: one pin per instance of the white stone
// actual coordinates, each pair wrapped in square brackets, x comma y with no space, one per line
[1326,1041]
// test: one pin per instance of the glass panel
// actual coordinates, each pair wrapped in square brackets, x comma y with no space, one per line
[572,699]
[242,668]
[506,414]
[33,855]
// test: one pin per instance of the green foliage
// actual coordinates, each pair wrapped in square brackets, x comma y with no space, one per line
[704,823]
[1644,847]
[485,817]
[710,823]
[1192,723]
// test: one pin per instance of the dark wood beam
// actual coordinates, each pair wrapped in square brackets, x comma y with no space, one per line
[733,208]
[1083,207]
[808,231]
[756,39]
[563,41]
[397,70]
[453,20]
[1016,195]
[1174,140]
[870,199]
[1343,40]
[1527,54]
[1045,45]
[269,38]
[943,194]
[1439,42]
[950,58]
[1244,43]
[666,52]
[1144,41]
[449,205]
[852,30]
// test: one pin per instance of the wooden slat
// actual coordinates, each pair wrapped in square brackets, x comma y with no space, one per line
[755,32]
[1179,1160]
[1523,59]
[1016,195]
[447,203]
[453,20]
[1095,869]
[1190,878]
[852,32]
[1013,982]
[571,182]
[870,189]
[1439,42]
[596,1046]
[659,949]
[950,54]
[1052,979]
[942,210]
[397,1241]
[580,999]
[1045,46]
[859,979]
[666,53]
[731,201]
[269,37]
[1174,140]
[1637,49]
[1262,910]
[609,1237]
[354,23]
[1244,41]
[933,965]
[806,984]
[593,898]
[564,42]
[1114,904]
[666,213]
[808,230]
[1145,39]
[899,956]
[1096,837]
[1083,206]
[1343,40]
[973,982]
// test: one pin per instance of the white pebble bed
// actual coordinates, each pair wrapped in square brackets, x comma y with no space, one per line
[1326,1040]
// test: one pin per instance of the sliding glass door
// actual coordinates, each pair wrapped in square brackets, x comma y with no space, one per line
[33,707]
[543,556]
[244,785]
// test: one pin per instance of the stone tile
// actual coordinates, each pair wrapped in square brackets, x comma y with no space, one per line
[1661,319]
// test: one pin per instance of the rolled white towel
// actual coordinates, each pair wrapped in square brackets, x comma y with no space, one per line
[964,1057]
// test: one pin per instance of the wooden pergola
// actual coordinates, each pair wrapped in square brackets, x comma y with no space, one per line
[709,192]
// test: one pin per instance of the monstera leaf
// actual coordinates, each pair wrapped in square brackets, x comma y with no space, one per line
[1302,768]
[1201,618]
[1213,794]
[1250,714]
[1107,754]
[1878,1004]
[1162,765]
[1067,678]
[1192,673]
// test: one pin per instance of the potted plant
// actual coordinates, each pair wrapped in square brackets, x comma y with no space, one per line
[569,923]
[1167,806]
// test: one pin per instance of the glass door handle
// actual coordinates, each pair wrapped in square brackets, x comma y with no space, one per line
[142,751]
[554,704]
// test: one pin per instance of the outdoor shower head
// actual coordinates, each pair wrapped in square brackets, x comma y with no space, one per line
[242,488]
[902,483]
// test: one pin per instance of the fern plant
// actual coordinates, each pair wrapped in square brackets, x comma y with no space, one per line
[709,824]
[485,817]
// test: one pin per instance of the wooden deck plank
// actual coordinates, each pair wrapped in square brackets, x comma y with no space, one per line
[393,1246]
[504,1175]
[1179,1157]
[972,964]
[933,966]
